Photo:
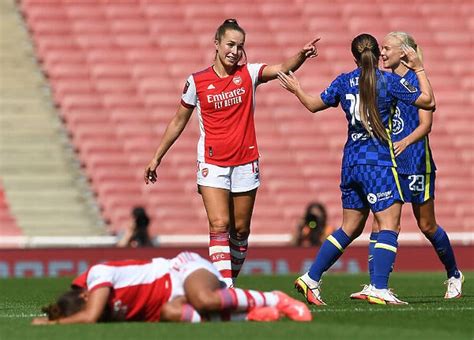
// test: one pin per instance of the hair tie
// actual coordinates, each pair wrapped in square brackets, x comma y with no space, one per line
[231,21]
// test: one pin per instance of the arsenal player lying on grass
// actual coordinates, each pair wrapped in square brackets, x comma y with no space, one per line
[186,288]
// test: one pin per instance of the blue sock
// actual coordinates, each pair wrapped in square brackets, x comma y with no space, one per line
[440,242]
[328,254]
[385,251]
[372,242]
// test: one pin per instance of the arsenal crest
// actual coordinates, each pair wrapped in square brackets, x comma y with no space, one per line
[237,80]
[204,172]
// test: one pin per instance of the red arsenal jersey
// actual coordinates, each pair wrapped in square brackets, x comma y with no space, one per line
[138,288]
[225,108]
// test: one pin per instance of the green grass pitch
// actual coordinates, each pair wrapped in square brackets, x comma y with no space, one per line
[428,316]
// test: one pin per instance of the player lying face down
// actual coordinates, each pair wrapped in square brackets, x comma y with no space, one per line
[186,288]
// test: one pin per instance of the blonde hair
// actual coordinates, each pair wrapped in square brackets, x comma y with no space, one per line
[407,39]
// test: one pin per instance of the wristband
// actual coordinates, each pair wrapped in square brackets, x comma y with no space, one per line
[420,70]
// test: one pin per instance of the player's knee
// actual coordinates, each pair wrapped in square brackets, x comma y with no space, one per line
[205,301]
[427,227]
[241,233]
[219,225]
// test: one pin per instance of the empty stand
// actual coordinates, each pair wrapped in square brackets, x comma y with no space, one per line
[117,70]
[8,225]
[42,192]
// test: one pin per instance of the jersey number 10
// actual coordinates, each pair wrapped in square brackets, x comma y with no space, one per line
[354,108]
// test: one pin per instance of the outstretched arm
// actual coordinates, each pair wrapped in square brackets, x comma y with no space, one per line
[173,131]
[291,84]
[426,100]
[422,130]
[292,64]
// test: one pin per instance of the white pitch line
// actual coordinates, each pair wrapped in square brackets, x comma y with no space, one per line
[396,309]
[23,315]
[314,310]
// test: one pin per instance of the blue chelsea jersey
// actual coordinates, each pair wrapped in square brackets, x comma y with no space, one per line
[360,148]
[416,158]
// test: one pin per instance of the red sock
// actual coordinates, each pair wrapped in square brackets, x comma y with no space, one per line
[219,252]
[244,299]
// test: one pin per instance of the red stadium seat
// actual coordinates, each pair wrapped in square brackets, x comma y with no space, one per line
[123,10]
[84,10]
[117,70]
[129,26]
[104,55]
[158,11]
[92,26]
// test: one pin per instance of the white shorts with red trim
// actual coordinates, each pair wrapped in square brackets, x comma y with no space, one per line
[239,178]
[184,265]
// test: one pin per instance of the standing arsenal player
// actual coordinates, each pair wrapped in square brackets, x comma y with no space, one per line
[228,172]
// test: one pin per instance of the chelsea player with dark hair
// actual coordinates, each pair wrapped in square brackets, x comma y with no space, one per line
[369,181]
[415,167]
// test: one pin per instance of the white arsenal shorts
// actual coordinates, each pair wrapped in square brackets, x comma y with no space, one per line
[240,178]
[184,265]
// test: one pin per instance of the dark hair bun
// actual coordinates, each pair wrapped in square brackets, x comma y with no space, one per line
[231,21]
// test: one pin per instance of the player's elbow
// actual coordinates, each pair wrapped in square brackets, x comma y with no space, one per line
[432,104]
[426,102]
[312,107]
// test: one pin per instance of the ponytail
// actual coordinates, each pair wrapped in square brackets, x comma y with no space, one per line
[366,51]
[369,113]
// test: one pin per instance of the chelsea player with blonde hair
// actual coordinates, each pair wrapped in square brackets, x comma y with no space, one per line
[415,166]
[368,176]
